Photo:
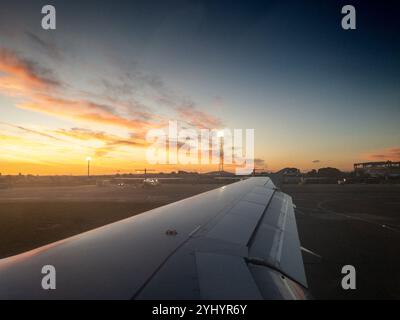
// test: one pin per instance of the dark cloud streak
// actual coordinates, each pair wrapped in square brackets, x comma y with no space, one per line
[48,48]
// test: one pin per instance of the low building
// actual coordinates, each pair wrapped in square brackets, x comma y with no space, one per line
[377,169]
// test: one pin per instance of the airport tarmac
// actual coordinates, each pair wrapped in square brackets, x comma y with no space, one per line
[340,225]
[35,216]
[355,225]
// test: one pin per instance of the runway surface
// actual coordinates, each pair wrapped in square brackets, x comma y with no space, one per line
[355,225]
[36,216]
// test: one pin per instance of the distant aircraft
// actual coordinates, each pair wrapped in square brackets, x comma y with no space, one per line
[239,241]
[151,182]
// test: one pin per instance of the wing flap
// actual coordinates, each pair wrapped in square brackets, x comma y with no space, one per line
[276,240]
[238,224]
[218,278]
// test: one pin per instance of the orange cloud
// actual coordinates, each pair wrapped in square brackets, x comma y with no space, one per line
[27,79]
[39,88]
[110,142]
[198,118]
[21,76]
[387,154]
[86,111]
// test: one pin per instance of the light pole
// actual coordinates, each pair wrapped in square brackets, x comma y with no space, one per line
[88,159]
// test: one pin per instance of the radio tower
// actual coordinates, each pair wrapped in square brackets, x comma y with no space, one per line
[221,152]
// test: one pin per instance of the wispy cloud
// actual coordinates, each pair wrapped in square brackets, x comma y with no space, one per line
[110,139]
[40,89]
[109,142]
[83,110]
[27,130]
[48,48]
[22,76]
[198,118]
[259,162]
[386,154]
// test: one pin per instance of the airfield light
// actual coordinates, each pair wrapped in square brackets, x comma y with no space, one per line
[88,159]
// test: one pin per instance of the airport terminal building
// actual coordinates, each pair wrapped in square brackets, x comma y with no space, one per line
[378,169]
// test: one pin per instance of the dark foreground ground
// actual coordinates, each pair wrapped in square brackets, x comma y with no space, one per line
[32,217]
[355,225]
[342,224]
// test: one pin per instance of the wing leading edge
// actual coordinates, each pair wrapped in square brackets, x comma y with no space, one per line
[235,242]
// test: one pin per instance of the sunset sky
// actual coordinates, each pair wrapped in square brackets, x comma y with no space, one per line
[315,95]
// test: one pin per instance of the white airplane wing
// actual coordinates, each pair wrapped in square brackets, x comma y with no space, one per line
[235,242]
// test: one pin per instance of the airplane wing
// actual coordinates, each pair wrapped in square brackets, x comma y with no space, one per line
[239,241]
